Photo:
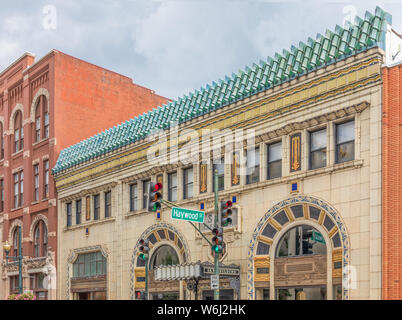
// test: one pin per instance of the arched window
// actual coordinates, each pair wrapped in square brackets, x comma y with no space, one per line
[37,121]
[300,241]
[45,118]
[40,239]
[164,255]
[18,132]
[16,242]
[41,120]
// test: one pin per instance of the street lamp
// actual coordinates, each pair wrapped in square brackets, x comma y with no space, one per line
[7,249]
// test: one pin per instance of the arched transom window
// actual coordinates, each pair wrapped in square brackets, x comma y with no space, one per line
[40,239]
[18,132]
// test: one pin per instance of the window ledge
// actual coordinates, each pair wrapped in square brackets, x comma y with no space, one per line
[89,224]
[16,209]
[40,143]
[17,154]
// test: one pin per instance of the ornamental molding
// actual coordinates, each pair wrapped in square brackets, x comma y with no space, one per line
[266,219]
[18,107]
[185,252]
[89,192]
[16,223]
[39,93]
[73,255]
[39,217]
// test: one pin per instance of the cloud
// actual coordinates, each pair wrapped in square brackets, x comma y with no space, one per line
[172,47]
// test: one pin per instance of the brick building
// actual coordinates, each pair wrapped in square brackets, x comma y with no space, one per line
[392,180]
[46,106]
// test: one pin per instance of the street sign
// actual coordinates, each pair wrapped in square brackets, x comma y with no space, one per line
[188,215]
[214,282]
[223,271]
[316,236]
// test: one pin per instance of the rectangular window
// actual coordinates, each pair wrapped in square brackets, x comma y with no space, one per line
[96,207]
[78,211]
[69,214]
[16,140]
[46,179]
[133,197]
[220,166]
[188,181]
[21,188]
[172,186]
[145,189]
[46,125]
[274,168]
[345,142]
[253,166]
[108,204]
[1,195]
[318,149]
[18,189]
[36,182]
[37,131]
[22,139]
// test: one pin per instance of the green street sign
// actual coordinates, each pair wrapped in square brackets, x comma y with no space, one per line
[188,215]
[316,236]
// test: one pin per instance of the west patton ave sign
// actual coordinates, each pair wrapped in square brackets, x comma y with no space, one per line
[188,215]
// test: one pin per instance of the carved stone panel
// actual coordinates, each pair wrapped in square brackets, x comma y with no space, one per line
[301,271]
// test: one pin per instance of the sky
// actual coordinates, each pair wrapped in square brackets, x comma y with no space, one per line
[172,46]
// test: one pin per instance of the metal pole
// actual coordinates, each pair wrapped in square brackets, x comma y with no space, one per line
[146,277]
[19,261]
[216,291]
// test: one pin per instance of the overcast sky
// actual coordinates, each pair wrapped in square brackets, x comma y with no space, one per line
[171,46]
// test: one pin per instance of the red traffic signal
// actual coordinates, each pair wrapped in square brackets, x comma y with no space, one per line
[155,196]
[226,212]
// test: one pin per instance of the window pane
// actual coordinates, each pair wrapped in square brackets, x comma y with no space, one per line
[221,175]
[188,183]
[253,166]
[318,140]
[275,170]
[275,152]
[319,159]
[172,186]
[346,151]
[145,185]
[345,132]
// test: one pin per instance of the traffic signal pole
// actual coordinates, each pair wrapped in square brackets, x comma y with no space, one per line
[146,277]
[216,224]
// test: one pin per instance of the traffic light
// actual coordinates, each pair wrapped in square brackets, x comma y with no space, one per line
[226,213]
[217,240]
[155,196]
[307,246]
[140,295]
[144,249]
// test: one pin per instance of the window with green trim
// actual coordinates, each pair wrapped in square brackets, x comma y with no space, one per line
[89,265]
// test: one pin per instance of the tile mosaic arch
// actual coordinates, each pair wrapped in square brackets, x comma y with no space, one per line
[296,208]
[157,233]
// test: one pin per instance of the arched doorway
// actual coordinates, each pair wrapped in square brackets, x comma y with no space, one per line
[167,247]
[298,251]
[300,264]
[164,255]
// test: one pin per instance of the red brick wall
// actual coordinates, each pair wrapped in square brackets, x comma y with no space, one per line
[89,99]
[392,183]
[83,100]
